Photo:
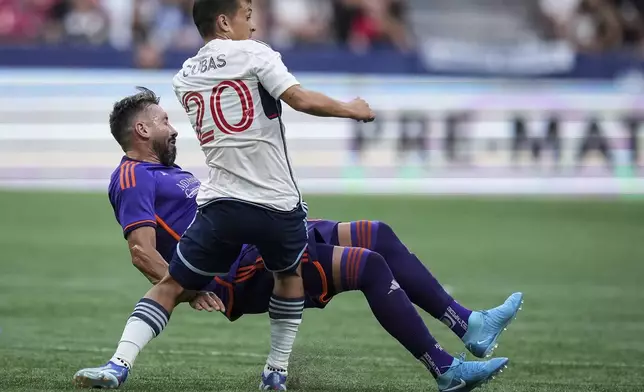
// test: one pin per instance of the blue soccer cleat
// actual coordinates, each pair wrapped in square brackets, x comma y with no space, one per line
[484,327]
[110,376]
[273,381]
[465,376]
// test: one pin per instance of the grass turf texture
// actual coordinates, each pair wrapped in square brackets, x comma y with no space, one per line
[67,287]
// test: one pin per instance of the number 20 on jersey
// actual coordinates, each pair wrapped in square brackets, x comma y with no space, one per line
[196,101]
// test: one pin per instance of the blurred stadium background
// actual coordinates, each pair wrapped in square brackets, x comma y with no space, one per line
[475,98]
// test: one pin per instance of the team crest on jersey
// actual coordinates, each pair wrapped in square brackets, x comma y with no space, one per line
[190,186]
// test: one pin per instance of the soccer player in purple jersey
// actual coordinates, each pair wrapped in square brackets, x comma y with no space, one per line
[154,202]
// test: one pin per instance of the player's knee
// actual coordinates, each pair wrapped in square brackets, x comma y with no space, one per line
[383,229]
[375,268]
[387,242]
[375,261]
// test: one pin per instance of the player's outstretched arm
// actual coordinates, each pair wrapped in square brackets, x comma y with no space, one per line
[318,104]
[281,84]
[145,257]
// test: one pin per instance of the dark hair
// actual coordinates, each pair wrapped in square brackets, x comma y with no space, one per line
[125,110]
[205,13]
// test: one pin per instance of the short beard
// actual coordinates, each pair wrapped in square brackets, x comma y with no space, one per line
[166,152]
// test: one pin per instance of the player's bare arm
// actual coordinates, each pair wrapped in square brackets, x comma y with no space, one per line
[318,104]
[145,257]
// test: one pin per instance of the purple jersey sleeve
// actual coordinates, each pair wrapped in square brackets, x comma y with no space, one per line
[134,199]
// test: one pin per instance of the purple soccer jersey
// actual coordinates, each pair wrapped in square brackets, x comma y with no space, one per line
[151,194]
[155,195]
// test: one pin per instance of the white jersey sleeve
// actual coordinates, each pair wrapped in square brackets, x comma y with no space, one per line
[271,71]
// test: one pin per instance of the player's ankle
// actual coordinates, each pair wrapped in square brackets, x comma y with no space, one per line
[121,362]
[271,369]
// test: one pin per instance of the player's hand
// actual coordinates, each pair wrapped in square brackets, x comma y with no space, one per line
[207,301]
[361,110]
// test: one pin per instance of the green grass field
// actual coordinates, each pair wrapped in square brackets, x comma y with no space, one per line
[67,287]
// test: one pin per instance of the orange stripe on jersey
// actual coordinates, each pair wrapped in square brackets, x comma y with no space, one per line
[241,274]
[325,284]
[246,277]
[369,224]
[167,228]
[133,174]
[126,174]
[128,183]
[138,223]
[122,175]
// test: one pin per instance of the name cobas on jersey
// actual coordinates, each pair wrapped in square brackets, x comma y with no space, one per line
[205,65]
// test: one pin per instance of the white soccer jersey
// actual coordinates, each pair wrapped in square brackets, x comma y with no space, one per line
[231,91]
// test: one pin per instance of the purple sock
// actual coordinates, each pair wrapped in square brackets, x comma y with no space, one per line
[368,271]
[421,286]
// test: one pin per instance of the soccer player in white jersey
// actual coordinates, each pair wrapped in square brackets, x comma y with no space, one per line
[232,92]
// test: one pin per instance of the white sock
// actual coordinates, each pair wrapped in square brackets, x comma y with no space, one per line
[146,322]
[286,317]
[283,334]
[136,335]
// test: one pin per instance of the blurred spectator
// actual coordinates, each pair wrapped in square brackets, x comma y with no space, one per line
[296,22]
[589,25]
[631,17]
[364,24]
[121,18]
[152,27]
[161,25]
[165,24]
[79,22]
[148,56]
[22,20]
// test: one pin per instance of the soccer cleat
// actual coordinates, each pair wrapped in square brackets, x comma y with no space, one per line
[465,376]
[273,381]
[484,327]
[110,376]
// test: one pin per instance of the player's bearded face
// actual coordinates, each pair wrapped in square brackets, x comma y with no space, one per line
[166,150]
[162,135]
